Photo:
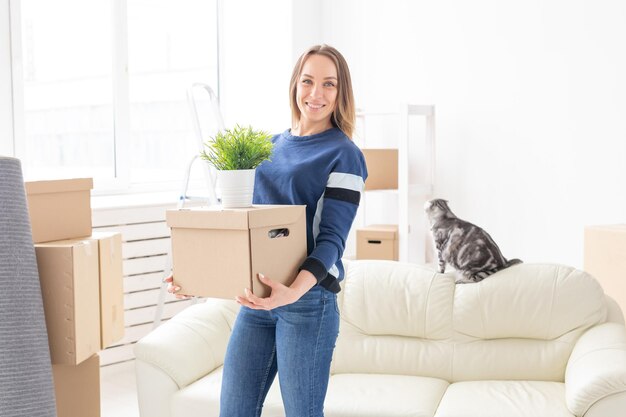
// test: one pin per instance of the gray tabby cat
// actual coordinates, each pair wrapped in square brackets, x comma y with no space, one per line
[468,248]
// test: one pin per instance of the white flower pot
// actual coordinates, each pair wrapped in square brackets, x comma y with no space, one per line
[237,187]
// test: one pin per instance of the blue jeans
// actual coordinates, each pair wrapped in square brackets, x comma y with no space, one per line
[297,341]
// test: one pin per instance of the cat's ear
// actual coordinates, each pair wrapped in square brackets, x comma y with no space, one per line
[441,203]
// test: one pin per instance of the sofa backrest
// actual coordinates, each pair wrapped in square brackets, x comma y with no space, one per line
[520,323]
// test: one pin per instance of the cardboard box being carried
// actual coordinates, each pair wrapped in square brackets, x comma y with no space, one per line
[77,388]
[605,259]
[382,169]
[377,241]
[218,252]
[111,287]
[59,209]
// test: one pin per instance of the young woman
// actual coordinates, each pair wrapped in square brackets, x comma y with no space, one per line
[293,331]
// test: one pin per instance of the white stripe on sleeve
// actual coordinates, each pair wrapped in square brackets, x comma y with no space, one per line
[347,181]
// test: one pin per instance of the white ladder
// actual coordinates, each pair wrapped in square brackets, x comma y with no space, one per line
[208,172]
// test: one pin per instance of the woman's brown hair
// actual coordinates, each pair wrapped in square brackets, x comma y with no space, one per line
[344,114]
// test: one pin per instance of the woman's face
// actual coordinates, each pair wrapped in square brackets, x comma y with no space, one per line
[316,91]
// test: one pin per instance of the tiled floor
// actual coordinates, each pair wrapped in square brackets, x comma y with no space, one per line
[118,392]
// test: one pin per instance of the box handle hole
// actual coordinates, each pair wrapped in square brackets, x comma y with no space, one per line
[276,233]
[375,242]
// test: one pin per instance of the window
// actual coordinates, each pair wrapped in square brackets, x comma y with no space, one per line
[103,85]
[67,94]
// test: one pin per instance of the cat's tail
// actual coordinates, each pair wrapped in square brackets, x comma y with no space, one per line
[512,262]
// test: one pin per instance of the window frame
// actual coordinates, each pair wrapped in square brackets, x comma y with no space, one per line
[121,183]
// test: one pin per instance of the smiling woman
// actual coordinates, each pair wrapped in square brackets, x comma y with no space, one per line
[316,93]
[316,164]
[321,93]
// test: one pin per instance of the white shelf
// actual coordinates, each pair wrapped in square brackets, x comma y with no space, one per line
[412,110]
[420,110]
[405,189]
[376,113]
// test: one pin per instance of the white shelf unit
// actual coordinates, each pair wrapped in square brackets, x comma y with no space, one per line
[407,189]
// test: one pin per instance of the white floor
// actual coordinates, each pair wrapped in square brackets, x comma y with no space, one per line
[118,391]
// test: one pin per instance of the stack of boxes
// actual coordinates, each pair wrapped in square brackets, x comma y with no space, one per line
[379,241]
[82,289]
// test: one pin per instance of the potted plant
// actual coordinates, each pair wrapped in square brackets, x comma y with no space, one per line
[236,153]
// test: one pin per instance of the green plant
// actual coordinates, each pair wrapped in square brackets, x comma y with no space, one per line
[238,148]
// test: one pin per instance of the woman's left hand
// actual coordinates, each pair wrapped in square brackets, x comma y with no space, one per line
[281,295]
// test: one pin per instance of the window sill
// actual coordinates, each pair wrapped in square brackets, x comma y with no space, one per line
[145,199]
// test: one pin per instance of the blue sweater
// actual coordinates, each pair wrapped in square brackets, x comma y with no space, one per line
[326,172]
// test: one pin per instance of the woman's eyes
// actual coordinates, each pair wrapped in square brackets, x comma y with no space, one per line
[326,84]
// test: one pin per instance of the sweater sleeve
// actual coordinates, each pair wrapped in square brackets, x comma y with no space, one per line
[341,200]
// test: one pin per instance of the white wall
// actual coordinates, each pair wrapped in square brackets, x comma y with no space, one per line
[306,26]
[530,96]
[6,106]
[256,63]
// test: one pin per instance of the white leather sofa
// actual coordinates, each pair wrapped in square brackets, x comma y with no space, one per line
[530,341]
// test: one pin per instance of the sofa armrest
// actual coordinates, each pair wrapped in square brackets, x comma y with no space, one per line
[192,343]
[597,367]
[154,390]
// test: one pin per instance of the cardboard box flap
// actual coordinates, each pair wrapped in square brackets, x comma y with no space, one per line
[68,243]
[207,218]
[381,232]
[621,228]
[380,235]
[58,186]
[277,216]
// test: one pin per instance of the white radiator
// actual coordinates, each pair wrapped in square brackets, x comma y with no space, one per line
[146,247]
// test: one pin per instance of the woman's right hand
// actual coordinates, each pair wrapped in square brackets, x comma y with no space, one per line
[172,288]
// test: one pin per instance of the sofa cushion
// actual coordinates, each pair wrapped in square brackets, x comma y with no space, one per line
[522,322]
[349,395]
[365,395]
[390,298]
[515,359]
[504,399]
[530,301]
[395,319]
[357,352]
[202,398]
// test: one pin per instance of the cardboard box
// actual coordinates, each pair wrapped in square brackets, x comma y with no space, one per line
[218,252]
[69,276]
[605,259]
[377,242]
[59,209]
[77,388]
[382,168]
[111,287]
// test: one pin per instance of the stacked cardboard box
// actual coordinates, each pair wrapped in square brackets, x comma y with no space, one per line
[218,252]
[605,259]
[382,168]
[77,388]
[377,241]
[82,289]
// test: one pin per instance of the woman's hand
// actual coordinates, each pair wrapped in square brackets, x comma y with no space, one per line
[281,294]
[172,288]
